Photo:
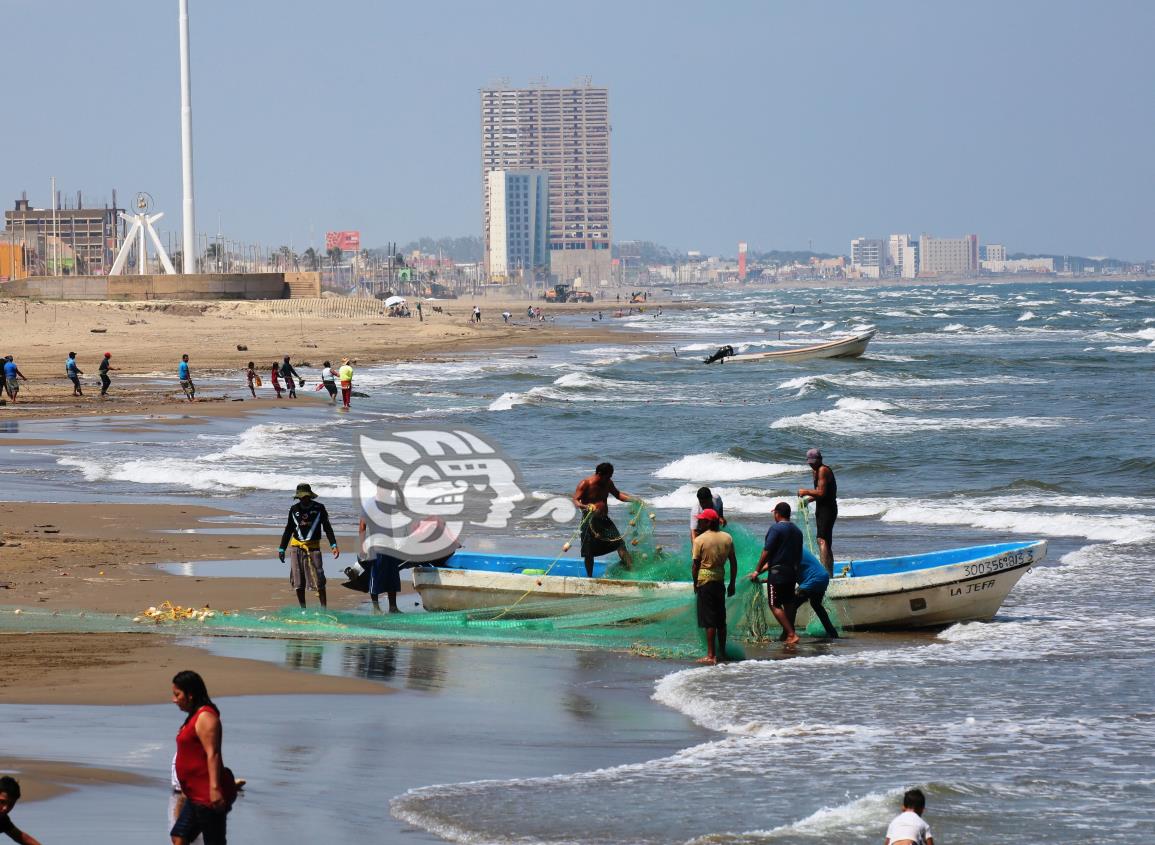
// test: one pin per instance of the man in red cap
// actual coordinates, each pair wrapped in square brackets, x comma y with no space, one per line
[712,548]
[824,494]
[105,366]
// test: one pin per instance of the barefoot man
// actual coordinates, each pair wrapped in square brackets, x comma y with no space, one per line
[824,494]
[712,548]
[599,534]
[781,557]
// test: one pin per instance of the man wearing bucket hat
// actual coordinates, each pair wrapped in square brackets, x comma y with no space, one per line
[824,494]
[345,376]
[302,539]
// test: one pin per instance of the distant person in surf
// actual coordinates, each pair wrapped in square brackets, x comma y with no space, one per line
[824,494]
[251,378]
[301,539]
[908,827]
[291,377]
[706,500]
[711,550]
[599,534]
[185,376]
[275,378]
[345,376]
[780,560]
[328,381]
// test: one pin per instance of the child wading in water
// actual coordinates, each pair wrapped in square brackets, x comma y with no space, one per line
[252,378]
[908,828]
[9,795]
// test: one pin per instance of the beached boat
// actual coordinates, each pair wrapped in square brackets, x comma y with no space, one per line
[913,591]
[846,347]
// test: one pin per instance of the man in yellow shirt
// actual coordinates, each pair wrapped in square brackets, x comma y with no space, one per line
[345,375]
[712,548]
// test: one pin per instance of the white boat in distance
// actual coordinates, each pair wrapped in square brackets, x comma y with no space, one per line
[927,590]
[846,347]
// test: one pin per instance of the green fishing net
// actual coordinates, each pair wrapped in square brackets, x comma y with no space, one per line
[654,625]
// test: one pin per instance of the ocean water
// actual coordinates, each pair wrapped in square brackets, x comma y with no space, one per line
[979,414]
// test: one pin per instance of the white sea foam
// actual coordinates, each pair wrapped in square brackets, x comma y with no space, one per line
[192,475]
[1119,529]
[847,419]
[507,401]
[716,466]
[862,816]
[1026,315]
[743,500]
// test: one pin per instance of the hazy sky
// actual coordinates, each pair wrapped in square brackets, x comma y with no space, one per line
[783,124]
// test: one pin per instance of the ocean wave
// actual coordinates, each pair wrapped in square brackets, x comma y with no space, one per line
[1026,315]
[191,475]
[737,500]
[863,816]
[847,419]
[717,466]
[1115,529]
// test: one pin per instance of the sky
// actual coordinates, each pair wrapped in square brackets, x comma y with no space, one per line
[790,125]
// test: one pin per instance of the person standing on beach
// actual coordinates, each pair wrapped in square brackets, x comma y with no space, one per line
[9,795]
[476,314]
[12,378]
[706,499]
[291,377]
[824,494]
[186,382]
[345,376]
[302,539]
[780,559]
[505,315]
[275,378]
[105,366]
[599,534]
[251,378]
[74,373]
[711,549]
[328,381]
[208,787]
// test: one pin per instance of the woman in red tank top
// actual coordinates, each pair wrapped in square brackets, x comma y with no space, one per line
[199,768]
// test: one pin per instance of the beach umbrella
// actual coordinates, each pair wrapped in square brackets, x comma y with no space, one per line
[394,300]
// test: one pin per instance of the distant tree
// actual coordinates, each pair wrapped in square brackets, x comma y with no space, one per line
[335,255]
[311,259]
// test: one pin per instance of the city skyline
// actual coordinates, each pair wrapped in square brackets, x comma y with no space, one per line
[787,127]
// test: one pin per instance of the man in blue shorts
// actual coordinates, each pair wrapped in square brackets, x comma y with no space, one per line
[781,558]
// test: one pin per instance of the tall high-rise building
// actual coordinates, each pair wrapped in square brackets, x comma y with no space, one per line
[896,251]
[868,256]
[564,132]
[519,225]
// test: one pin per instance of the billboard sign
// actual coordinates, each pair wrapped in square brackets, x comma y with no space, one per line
[344,241]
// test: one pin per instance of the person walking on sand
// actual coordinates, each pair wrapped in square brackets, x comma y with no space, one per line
[780,559]
[105,381]
[251,378]
[186,382]
[302,540]
[208,787]
[824,494]
[711,550]
[599,534]
[12,378]
[345,376]
[291,377]
[328,381]
[908,827]
[74,373]
[9,795]
[420,316]
[476,314]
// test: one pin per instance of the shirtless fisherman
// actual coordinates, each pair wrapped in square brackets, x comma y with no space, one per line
[599,534]
[824,494]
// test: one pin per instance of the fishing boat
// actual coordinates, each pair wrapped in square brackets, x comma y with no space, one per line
[926,590]
[846,347]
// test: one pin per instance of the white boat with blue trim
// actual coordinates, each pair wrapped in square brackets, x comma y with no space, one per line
[927,590]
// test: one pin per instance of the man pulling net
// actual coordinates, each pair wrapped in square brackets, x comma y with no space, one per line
[599,534]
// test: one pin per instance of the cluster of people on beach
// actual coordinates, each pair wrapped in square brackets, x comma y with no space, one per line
[792,579]
[329,378]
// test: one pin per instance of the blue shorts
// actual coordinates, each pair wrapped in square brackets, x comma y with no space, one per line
[197,820]
[384,575]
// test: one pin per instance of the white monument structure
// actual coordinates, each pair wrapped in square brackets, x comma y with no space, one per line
[139,233]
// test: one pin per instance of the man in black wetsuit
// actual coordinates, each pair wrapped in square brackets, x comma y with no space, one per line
[824,494]
[302,539]
[291,377]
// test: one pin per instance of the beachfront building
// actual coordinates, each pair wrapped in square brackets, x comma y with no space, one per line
[868,257]
[948,256]
[564,132]
[1033,266]
[67,240]
[896,255]
[994,252]
[518,226]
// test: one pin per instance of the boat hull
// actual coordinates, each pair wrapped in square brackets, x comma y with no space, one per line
[851,347]
[969,589]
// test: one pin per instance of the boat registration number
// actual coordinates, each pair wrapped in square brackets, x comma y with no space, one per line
[1012,560]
